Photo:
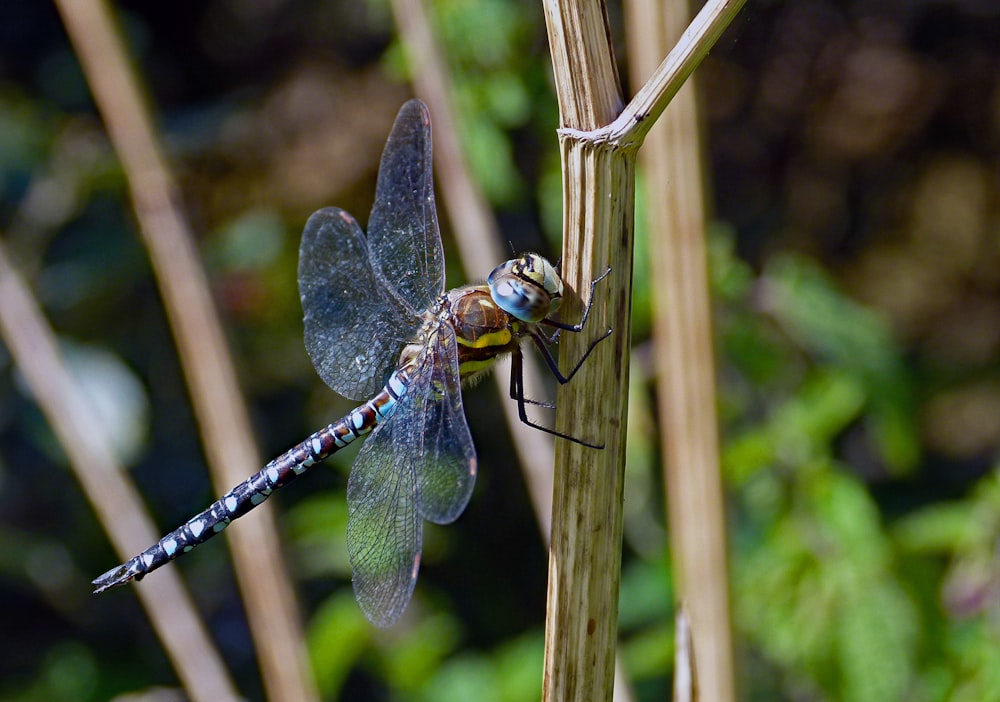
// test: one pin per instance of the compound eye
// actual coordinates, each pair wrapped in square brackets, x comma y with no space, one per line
[527,288]
[519,298]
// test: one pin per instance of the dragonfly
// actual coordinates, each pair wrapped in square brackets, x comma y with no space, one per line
[379,324]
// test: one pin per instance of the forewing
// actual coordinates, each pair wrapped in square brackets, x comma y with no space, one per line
[403,234]
[353,331]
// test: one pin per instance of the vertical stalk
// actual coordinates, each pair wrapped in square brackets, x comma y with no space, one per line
[598,181]
[684,359]
[598,143]
[478,241]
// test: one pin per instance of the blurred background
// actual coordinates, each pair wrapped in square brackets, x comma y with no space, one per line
[854,152]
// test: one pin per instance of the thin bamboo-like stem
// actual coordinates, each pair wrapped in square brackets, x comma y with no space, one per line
[585,555]
[685,677]
[229,445]
[684,360]
[33,347]
[598,188]
[630,127]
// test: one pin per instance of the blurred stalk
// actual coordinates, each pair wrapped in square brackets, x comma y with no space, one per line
[475,232]
[33,347]
[685,681]
[229,445]
[684,360]
[599,141]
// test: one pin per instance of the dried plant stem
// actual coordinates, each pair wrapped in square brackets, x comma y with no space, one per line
[685,678]
[267,593]
[33,347]
[585,555]
[630,127]
[599,141]
[685,368]
[478,241]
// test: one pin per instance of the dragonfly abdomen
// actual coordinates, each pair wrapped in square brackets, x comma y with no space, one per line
[259,486]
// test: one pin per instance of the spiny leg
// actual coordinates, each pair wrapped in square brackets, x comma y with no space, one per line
[541,341]
[517,384]
[554,366]
[517,393]
[586,312]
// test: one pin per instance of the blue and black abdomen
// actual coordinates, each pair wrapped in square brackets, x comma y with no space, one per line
[258,487]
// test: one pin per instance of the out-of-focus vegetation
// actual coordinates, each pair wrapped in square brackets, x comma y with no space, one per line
[856,272]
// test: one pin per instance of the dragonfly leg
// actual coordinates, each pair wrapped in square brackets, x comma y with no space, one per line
[517,393]
[542,341]
[517,385]
[554,366]
[586,312]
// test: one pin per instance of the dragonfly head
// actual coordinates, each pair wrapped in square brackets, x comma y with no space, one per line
[527,287]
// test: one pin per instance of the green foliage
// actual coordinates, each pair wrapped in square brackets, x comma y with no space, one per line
[252,241]
[511,673]
[646,620]
[824,587]
[338,637]
[25,133]
[816,591]
[836,330]
[814,575]
[69,671]
[550,197]
[309,526]
[494,84]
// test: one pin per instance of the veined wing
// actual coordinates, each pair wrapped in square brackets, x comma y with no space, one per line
[354,331]
[403,235]
[419,464]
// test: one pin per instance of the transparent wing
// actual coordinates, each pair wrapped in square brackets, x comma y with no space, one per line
[354,331]
[384,531]
[403,234]
[419,464]
[447,473]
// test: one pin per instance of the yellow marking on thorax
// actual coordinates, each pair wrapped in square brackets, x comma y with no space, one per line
[501,337]
[483,323]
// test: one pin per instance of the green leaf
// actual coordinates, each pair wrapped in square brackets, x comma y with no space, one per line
[413,657]
[338,635]
[519,667]
[850,336]
[875,643]
[939,528]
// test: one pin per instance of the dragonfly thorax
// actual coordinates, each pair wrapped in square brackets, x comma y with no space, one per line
[482,329]
[528,287]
